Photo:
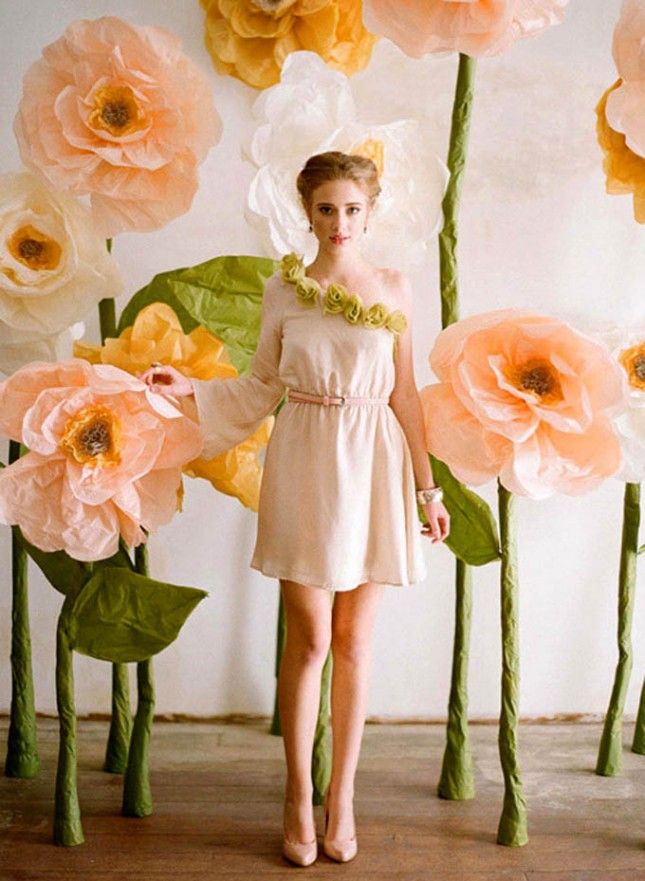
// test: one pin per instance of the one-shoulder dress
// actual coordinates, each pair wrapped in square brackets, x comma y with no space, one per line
[337,502]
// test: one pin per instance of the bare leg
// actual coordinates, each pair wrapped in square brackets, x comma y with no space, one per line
[308,614]
[352,625]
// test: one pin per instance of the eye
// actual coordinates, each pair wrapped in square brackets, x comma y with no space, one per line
[354,209]
[325,209]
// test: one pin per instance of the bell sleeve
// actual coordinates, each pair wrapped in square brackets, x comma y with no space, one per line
[230,410]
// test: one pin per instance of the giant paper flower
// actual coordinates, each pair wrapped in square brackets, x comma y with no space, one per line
[105,457]
[53,267]
[250,39]
[119,112]
[157,336]
[525,398]
[628,348]
[474,27]
[312,110]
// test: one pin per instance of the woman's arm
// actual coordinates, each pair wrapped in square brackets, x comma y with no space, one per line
[406,404]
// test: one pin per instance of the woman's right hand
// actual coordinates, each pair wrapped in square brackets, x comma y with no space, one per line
[164,379]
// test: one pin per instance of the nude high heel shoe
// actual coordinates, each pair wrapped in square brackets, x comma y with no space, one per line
[340,849]
[302,853]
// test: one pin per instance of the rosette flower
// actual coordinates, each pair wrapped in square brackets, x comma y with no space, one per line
[334,299]
[376,315]
[308,291]
[353,310]
[311,110]
[53,268]
[157,337]
[105,457]
[476,28]
[119,112]
[250,39]
[525,398]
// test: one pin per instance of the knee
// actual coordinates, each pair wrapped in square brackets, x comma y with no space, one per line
[309,648]
[349,647]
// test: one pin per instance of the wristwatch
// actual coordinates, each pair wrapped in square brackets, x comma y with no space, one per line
[432,494]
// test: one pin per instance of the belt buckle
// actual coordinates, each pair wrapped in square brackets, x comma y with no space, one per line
[342,399]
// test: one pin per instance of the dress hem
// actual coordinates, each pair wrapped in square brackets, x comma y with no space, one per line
[303,578]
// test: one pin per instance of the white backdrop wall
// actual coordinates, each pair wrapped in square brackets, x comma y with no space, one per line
[536,229]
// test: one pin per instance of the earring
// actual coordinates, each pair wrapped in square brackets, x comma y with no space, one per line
[311,229]
[364,229]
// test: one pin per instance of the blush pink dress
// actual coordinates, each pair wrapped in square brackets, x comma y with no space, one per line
[337,504]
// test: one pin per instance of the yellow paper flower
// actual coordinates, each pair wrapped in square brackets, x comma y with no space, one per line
[624,169]
[376,315]
[335,299]
[396,321]
[353,310]
[308,291]
[157,336]
[292,268]
[250,39]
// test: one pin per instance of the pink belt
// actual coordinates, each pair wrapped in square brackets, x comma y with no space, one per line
[326,400]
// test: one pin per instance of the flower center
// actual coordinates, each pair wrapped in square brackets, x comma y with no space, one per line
[633,360]
[539,378]
[92,436]
[117,111]
[372,149]
[34,249]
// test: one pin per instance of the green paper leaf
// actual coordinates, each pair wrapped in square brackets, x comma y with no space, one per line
[223,295]
[121,616]
[473,531]
[64,573]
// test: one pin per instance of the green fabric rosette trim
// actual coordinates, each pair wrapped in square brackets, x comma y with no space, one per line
[337,300]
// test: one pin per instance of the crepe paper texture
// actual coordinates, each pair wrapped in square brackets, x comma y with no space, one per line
[22,759]
[118,741]
[638,744]
[609,762]
[250,39]
[55,267]
[105,457]
[623,167]
[313,109]
[119,112]
[157,337]
[477,28]
[512,830]
[116,615]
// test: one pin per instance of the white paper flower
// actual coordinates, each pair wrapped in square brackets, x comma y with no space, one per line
[53,265]
[58,347]
[628,347]
[312,110]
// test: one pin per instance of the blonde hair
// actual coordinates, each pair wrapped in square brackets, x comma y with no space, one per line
[334,165]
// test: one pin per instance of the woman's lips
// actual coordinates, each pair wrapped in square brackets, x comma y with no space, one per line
[337,240]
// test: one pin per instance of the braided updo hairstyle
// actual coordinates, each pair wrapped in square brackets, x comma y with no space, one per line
[334,165]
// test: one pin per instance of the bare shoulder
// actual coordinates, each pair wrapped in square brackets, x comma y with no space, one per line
[396,285]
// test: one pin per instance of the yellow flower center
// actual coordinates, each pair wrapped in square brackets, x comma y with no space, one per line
[633,360]
[92,437]
[540,379]
[117,111]
[372,149]
[34,249]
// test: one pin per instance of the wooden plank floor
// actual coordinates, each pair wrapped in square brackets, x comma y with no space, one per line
[218,807]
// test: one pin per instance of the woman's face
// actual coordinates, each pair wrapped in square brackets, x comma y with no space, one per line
[338,213]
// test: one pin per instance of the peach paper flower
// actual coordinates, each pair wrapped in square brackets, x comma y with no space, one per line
[105,457]
[525,398]
[474,27]
[119,112]
[157,336]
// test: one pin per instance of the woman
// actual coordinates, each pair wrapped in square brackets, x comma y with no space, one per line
[337,515]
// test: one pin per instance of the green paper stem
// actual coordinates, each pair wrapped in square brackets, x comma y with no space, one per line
[457,776]
[22,751]
[512,830]
[116,752]
[276,727]
[609,761]
[638,745]
[321,753]
[457,780]
[68,830]
[137,795]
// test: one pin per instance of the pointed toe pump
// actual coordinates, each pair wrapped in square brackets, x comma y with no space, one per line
[340,849]
[302,853]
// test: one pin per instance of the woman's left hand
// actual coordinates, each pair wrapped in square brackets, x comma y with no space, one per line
[438,525]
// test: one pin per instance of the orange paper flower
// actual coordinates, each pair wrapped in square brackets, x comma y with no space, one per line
[157,336]
[119,112]
[250,39]
[527,399]
[105,457]
[624,169]
[474,27]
